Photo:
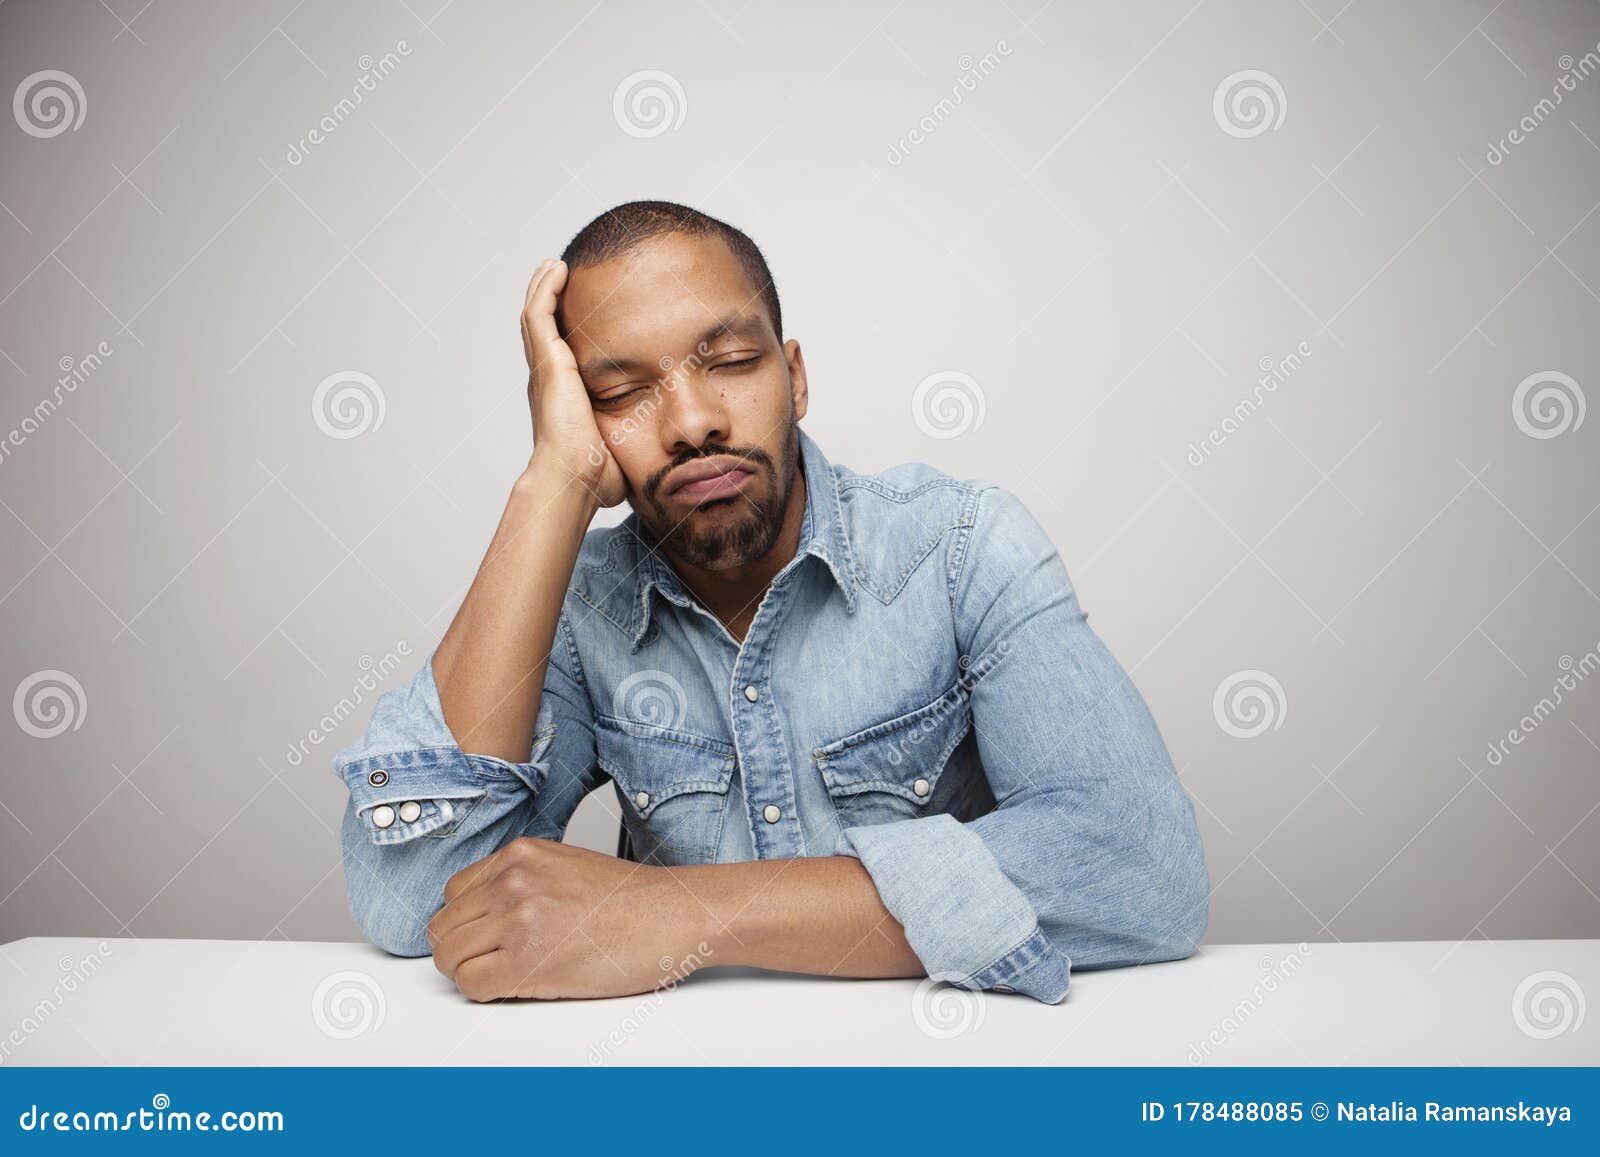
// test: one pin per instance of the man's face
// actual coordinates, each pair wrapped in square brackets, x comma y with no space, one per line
[683,367]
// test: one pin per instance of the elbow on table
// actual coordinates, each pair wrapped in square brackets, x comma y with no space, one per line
[378,896]
[1160,904]
[384,919]
[1181,901]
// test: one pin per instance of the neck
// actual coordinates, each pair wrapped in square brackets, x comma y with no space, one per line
[734,594]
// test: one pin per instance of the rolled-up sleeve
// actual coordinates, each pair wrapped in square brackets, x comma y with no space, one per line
[421,808]
[1091,857]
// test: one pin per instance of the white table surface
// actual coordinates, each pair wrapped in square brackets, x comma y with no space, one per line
[177,1002]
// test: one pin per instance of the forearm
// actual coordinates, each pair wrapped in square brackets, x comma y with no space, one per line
[490,665]
[820,916]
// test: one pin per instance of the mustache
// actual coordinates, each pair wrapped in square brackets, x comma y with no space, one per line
[752,456]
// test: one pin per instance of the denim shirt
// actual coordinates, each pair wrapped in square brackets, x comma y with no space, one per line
[919,689]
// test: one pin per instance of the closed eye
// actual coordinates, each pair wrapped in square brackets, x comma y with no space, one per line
[739,365]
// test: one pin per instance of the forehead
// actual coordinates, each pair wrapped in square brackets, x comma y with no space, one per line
[660,290]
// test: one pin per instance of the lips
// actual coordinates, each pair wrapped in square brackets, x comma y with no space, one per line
[712,478]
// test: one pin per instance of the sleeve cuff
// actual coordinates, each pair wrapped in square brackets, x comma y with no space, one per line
[428,791]
[963,917]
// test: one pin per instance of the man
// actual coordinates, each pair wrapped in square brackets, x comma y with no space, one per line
[857,724]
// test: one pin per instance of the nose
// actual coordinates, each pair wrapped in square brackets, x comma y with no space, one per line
[691,416]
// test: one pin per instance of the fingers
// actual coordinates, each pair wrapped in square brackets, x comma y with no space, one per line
[486,977]
[466,907]
[476,938]
[539,315]
[479,872]
[533,282]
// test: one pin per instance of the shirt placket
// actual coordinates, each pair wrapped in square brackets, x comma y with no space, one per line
[770,802]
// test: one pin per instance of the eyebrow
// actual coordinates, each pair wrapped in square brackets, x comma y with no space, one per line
[733,325]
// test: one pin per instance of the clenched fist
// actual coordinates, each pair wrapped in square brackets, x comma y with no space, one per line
[546,920]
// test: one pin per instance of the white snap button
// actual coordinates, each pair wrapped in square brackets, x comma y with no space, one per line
[920,787]
[409,811]
[382,816]
[751,693]
[642,799]
[772,815]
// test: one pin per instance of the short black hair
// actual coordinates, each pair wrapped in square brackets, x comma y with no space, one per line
[620,229]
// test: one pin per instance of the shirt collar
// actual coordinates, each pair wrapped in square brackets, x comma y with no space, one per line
[823,534]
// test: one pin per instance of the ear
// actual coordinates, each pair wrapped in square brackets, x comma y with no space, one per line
[798,388]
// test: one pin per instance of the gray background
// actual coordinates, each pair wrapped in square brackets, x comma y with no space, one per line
[1080,235]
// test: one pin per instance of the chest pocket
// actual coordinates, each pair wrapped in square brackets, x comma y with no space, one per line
[895,769]
[673,787]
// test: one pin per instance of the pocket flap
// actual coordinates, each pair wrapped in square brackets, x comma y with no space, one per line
[893,755]
[653,764]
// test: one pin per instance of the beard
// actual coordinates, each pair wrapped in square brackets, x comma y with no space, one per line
[726,544]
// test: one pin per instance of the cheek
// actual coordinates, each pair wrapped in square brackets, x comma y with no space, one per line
[756,405]
[631,441]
